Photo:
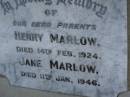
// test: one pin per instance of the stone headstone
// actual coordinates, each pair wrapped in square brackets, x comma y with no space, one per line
[76,47]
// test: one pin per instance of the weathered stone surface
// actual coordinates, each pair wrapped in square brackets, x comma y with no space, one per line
[76,47]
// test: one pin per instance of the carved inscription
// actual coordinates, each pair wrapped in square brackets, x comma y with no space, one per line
[70,46]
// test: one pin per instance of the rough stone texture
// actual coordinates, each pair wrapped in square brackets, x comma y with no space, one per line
[119,78]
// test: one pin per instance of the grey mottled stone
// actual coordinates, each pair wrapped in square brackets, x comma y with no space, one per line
[106,21]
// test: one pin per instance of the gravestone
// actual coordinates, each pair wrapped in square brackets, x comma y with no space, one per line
[76,47]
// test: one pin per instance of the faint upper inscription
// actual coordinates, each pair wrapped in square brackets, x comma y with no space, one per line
[99,9]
